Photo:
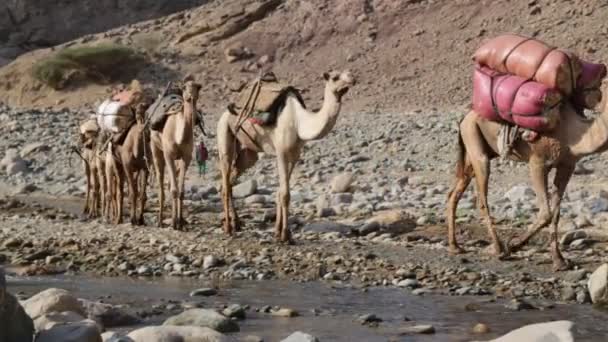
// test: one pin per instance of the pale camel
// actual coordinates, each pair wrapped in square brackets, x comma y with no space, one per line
[294,127]
[173,147]
[114,184]
[94,188]
[574,138]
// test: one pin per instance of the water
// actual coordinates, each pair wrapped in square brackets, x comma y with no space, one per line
[336,308]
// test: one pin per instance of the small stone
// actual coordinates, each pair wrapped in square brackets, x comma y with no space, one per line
[210,261]
[417,329]
[234,311]
[369,318]
[204,292]
[481,328]
[598,285]
[245,189]
[568,293]
[284,312]
[520,193]
[342,182]
[411,283]
[300,337]
[518,305]
[575,276]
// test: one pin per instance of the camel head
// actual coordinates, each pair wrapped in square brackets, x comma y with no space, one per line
[338,83]
[190,90]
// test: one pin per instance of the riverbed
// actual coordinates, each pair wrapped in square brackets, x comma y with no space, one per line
[328,311]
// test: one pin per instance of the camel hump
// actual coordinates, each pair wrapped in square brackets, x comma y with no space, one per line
[266,103]
[157,113]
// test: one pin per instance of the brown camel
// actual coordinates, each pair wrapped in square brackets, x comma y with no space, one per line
[574,138]
[132,156]
[294,127]
[173,147]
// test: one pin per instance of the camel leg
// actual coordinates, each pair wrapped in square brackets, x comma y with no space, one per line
[480,162]
[103,187]
[174,192]
[132,186]
[562,177]
[95,193]
[109,202]
[143,181]
[464,174]
[86,210]
[181,188]
[159,167]
[226,154]
[284,167]
[538,175]
[119,195]
[227,201]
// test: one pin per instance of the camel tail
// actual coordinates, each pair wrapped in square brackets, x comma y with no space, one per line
[460,156]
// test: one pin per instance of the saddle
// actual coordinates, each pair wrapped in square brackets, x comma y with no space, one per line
[264,104]
[164,106]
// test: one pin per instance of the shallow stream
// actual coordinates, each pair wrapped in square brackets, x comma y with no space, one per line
[328,312]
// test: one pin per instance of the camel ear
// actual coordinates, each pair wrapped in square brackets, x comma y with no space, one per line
[326,76]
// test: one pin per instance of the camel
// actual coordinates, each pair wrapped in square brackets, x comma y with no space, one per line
[173,147]
[95,190]
[294,127]
[128,161]
[574,138]
[114,184]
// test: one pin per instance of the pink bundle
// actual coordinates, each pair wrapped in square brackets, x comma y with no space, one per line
[504,97]
[522,80]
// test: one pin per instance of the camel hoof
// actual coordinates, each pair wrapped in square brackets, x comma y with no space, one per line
[455,250]
[561,265]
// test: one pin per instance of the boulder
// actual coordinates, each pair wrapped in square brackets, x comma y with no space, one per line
[15,324]
[176,333]
[108,315]
[300,337]
[342,182]
[49,320]
[52,300]
[558,331]
[203,318]
[598,285]
[83,331]
[245,189]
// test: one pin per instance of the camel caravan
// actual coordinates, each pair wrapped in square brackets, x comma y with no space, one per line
[528,105]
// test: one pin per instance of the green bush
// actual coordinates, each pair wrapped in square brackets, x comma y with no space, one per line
[100,63]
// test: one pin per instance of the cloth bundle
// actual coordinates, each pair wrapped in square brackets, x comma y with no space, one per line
[522,80]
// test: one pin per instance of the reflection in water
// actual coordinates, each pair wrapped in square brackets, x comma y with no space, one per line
[327,312]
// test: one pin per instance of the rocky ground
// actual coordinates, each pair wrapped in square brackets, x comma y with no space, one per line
[382,167]
[368,208]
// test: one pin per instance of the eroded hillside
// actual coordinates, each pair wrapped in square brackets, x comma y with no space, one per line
[407,55]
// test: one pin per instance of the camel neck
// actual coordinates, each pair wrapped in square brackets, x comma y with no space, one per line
[312,126]
[189,110]
[594,135]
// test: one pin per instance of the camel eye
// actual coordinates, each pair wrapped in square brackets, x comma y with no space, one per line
[335,78]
